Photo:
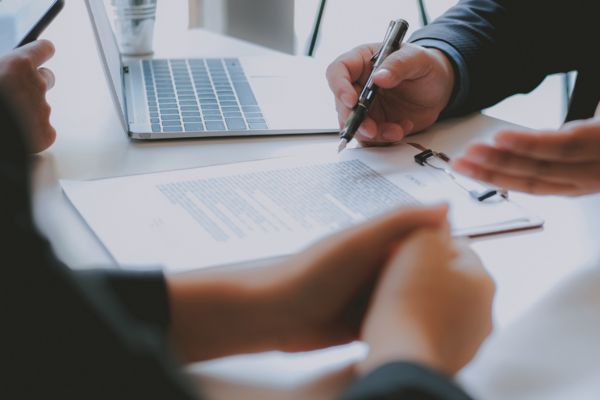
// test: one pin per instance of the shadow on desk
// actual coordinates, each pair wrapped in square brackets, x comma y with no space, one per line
[327,387]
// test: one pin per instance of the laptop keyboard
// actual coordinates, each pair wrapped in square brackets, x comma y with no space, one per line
[198,95]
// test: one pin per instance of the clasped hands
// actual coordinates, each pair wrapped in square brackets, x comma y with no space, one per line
[431,304]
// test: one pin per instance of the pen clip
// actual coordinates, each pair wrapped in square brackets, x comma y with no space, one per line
[387,36]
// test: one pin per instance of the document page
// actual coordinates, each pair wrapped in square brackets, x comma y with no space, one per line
[240,212]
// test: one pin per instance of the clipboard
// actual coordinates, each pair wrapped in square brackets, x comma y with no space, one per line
[480,191]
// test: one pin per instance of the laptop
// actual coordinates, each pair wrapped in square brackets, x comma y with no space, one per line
[211,97]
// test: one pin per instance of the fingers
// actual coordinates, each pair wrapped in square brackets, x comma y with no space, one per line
[421,241]
[468,262]
[402,222]
[386,133]
[38,52]
[27,84]
[372,239]
[529,185]
[347,69]
[466,258]
[340,82]
[415,254]
[559,163]
[450,252]
[566,173]
[371,133]
[367,130]
[580,142]
[48,77]
[342,76]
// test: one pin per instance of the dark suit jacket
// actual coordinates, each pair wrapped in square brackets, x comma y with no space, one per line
[503,47]
[103,335]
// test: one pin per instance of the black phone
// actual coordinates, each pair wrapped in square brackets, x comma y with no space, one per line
[23,21]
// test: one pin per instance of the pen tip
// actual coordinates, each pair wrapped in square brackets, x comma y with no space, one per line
[342,145]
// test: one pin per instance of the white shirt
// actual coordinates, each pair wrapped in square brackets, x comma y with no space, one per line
[552,352]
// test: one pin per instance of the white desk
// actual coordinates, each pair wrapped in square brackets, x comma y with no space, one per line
[92,145]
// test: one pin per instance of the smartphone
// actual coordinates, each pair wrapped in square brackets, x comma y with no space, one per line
[23,21]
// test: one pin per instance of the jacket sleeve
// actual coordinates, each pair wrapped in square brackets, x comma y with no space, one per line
[503,47]
[404,381]
[67,335]
[143,294]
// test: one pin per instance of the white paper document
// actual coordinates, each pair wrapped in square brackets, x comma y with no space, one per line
[241,212]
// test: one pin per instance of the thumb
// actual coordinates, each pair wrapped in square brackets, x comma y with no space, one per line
[597,113]
[38,52]
[424,253]
[428,238]
[466,259]
[48,77]
[410,62]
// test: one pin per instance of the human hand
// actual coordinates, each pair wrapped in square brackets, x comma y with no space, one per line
[432,305]
[24,85]
[565,162]
[297,305]
[415,86]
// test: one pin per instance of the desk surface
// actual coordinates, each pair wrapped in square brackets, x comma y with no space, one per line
[92,145]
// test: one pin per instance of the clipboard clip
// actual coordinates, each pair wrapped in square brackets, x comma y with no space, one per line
[426,154]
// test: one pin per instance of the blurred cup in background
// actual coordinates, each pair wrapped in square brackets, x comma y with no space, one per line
[134,26]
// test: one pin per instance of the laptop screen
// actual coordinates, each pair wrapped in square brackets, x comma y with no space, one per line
[109,53]
[17,19]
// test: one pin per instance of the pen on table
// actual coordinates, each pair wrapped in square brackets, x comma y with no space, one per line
[391,43]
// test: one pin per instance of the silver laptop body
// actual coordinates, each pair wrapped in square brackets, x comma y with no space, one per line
[212,97]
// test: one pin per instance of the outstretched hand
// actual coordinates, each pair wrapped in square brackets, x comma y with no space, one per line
[565,162]
[24,84]
[415,83]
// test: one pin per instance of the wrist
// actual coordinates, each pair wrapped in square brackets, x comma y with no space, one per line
[461,82]
[448,77]
[219,314]
[401,341]
[390,352]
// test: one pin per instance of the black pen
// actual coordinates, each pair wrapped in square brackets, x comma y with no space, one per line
[391,43]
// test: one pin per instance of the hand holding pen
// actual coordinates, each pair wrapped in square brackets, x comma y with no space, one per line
[415,83]
[391,43]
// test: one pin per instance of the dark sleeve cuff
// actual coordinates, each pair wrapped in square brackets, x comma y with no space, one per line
[404,381]
[461,72]
[144,293]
